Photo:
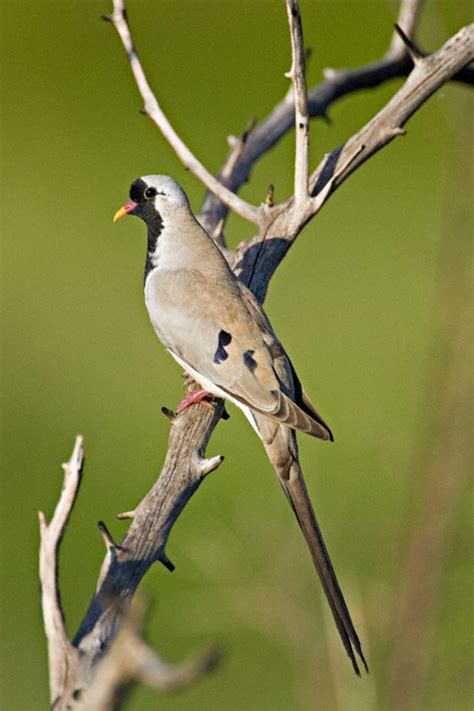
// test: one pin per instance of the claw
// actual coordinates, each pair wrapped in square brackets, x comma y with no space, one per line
[202,396]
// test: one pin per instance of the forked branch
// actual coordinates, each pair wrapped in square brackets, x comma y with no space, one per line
[77,679]
[63,658]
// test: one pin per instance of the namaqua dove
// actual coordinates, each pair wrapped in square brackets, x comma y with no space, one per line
[212,324]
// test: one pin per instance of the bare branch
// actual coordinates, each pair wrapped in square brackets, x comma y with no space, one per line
[338,83]
[145,542]
[237,144]
[62,657]
[429,74]
[154,111]
[74,666]
[256,260]
[297,76]
[130,659]
[322,196]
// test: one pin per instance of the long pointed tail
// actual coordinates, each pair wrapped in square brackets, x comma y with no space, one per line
[295,489]
[282,452]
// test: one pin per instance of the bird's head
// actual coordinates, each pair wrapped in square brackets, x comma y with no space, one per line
[154,198]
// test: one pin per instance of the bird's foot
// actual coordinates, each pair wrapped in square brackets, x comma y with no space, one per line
[202,396]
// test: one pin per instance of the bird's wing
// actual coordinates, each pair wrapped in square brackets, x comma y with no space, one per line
[224,336]
[282,364]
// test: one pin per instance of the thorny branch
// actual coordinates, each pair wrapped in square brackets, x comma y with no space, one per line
[338,83]
[80,669]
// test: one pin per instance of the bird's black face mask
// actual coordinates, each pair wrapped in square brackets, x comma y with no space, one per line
[142,205]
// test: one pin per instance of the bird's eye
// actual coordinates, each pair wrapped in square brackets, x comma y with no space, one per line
[150,192]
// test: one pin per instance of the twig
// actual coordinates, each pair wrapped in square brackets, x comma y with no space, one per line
[63,659]
[297,76]
[125,514]
[154,111]
[237,145]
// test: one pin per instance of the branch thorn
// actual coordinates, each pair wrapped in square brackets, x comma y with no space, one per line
[250,126]
[163,558]
[398,131]
[42,521]
[411,47]
[169,414]
[206,466]
[270,195]
[106,535]
[125,515]
[217,233]
[330,74]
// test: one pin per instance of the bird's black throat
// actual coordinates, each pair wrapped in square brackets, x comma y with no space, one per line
[147,212]
[155,227]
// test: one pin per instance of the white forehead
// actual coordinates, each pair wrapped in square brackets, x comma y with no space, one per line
[168,186]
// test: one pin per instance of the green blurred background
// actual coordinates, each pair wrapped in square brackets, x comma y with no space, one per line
[356,303]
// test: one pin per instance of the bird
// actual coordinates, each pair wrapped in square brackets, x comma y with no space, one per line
[217,330]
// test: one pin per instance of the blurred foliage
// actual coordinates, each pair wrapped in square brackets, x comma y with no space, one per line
[354,303]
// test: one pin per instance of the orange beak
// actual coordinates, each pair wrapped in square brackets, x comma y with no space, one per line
[125,210]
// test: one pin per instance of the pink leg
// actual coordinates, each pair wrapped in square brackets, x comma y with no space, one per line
[191,398]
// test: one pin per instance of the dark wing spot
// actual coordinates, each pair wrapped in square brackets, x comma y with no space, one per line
[249,360]
[223,340]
